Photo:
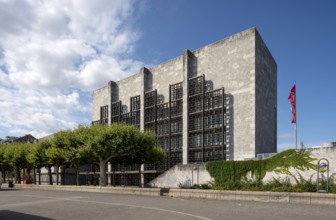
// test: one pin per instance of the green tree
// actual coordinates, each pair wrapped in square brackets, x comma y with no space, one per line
[100,142]
[139,147]
[73,149]
[15,156]
[119,142]
[2,155]
[55,157]
[4,166]
[36,156]
[96,144]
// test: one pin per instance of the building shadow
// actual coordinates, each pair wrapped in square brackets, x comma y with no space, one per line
[229,122]
[9,189]
[10,215]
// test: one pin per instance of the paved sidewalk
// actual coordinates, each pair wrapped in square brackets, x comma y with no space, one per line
[328,199]
[50,204]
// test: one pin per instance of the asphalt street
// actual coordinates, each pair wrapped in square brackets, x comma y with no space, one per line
[44,205]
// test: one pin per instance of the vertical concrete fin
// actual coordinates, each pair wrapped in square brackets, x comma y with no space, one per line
[146,85]
[147,80]
[113,93]
[187,63]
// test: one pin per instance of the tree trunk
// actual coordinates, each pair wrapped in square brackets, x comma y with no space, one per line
[57,174]
[34,178]
[113,176]
[77,176]
[140,176]
[23,174]
[63,175]
[93,168]
[39,175]
[4,176]
[50,176]
[18,175]
[102,173]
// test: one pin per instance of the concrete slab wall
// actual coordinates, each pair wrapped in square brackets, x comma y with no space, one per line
[101,98]
[230,63]
[129,87]
[183,176]
[266,99]
[166,74]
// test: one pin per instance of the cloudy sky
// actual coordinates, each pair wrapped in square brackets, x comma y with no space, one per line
[54,53]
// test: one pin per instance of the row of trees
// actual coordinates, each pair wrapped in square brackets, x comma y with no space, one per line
[118,143]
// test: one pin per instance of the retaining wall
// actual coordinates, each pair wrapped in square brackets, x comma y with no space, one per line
[106,189]
[281,197]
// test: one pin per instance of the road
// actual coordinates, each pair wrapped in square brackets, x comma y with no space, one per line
[44,205]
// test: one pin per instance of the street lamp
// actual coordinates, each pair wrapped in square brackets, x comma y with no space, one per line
[322,163]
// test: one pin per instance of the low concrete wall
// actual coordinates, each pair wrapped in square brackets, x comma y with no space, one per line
[183,176]
[281,197]
[106,189]
[317,153]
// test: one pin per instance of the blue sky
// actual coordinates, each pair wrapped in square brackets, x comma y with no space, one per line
[50,65]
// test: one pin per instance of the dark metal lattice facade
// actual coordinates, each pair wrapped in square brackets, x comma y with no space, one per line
[115,112]
[132,117]
[206,127]
[206,130]
[165,119]
[103,116]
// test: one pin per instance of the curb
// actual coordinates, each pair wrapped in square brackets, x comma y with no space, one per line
[99,189]
[279,197]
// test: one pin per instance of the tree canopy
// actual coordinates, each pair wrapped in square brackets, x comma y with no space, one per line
[118,143]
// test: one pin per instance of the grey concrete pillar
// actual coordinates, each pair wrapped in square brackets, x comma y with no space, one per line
[113,96]
[109,173]
[145,86]
[187,56]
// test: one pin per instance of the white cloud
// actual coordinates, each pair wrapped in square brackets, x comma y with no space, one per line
[285,145]
[54,53]
[286,136]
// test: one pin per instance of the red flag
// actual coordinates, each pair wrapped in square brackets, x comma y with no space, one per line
[291,99]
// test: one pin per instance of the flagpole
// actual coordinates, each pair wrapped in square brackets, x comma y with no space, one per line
[295,126]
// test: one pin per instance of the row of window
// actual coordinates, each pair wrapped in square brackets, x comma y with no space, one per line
[132,118]
[175,143]
[210,139]
[208,155]
[104,112]
[176,91]
[162,111]
[206,112]
[210,103]
[196,85]
[210,121]
[164,143]
[175,127]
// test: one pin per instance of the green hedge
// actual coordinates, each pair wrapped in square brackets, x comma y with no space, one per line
[232,174]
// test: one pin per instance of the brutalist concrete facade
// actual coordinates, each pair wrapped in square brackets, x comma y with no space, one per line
[240,65]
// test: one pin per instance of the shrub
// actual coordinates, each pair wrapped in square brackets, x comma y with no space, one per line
[232,175]
[201,186]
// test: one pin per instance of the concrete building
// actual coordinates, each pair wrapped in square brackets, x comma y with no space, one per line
[218,102]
